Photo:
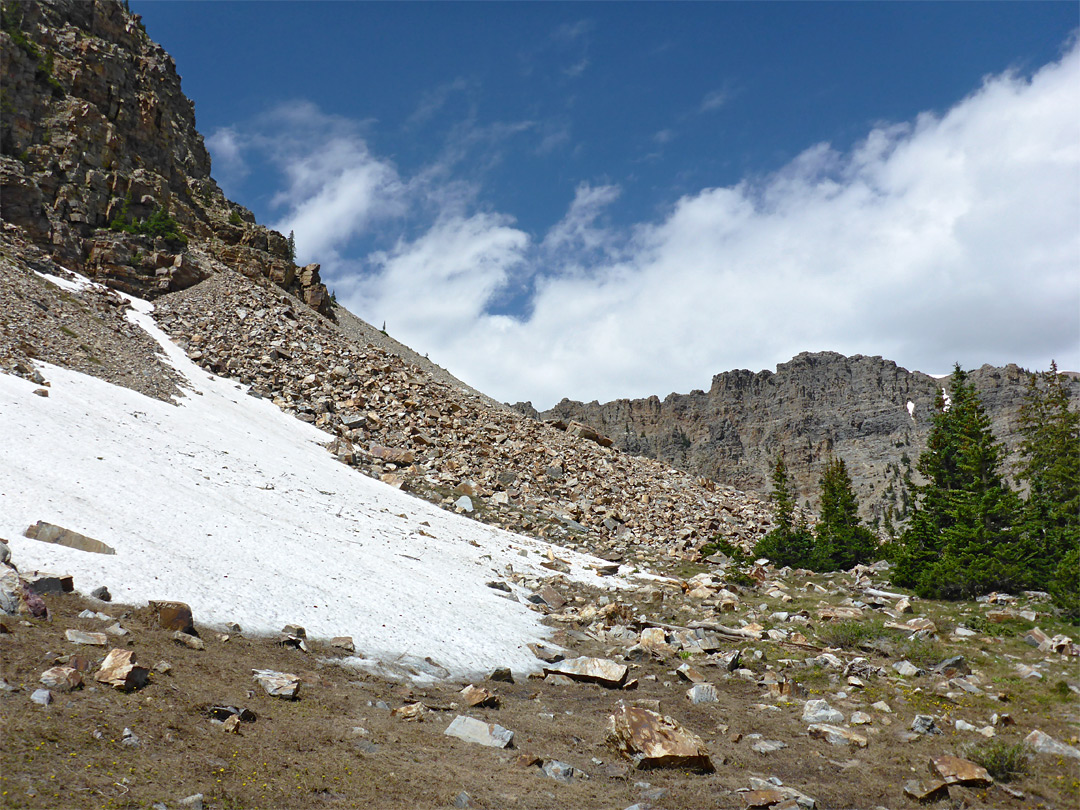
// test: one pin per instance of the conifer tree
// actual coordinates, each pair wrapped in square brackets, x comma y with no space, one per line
[791,542]
[1051,468]
[962,540]
[841,539]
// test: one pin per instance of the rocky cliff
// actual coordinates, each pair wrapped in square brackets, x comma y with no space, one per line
[99,144]
[815,406]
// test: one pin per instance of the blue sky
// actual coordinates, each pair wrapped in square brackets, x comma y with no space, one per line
[622,199]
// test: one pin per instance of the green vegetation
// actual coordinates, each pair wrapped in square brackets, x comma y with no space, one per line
[1002,760]
[158,224]
[790,543]
[1051,467]
[970,533]
[292,246]
[234,218]
[840,541]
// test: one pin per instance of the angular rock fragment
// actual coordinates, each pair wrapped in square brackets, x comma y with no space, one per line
[925,793]
[1043,743]
[819,711]
[189,641]
[120,670]
[478,696]
[343,643]
[836,735]
[277,684]
[49,533]
[173,616]
[43,583]
[560,771]
[81,637]
[651,740]
[591,670]
[62,679]
[476,731]
[410,711]
[702,693]
[956,771]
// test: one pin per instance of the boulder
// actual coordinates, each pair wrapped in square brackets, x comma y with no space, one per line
[591,670]
[62,679]
[278,684]
[651,740]
[836,735]
[1043,743]
[173,616]
[956,771]
[819,711]
[476,731]
[120,670]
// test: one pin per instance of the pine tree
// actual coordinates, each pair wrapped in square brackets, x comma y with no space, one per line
[292,246]
[841,540]
[791,542]
[1051,468]
[962,540]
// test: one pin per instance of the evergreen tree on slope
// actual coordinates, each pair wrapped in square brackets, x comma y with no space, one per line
[791,542]
[841,540]
[963,539]
[1051,467]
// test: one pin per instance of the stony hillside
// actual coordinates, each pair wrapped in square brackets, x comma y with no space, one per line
[814,406]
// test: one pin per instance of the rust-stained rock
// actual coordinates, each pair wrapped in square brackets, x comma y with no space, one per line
[479,696]
[173,616]
[591,670]
[49,533]
[754,799]
[957,771]
[120,670]
[925,793]
[62,679]
[652,740]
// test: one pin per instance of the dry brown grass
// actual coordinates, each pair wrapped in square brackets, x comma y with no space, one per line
[304,753]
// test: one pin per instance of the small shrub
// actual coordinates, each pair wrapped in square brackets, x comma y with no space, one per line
[847,635]
[1002,760]
[234,218]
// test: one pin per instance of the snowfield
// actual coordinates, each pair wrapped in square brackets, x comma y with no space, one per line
[226,503]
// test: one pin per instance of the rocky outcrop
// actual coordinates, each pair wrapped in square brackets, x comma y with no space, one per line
[96,133]
[815,406]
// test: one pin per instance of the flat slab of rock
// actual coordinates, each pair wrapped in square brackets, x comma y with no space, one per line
[479,696]
[956,771]
[835,735]
[50,533]
[277,684]
[476,731]
[120,670]
[591,670]
[82,637]
[652,740]
[702,693]
[932,792]
[173,616]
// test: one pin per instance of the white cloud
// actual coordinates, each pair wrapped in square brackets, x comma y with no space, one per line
[714,100]
[949,238]
[226,149]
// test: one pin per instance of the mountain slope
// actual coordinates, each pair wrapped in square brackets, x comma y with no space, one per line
[814,406]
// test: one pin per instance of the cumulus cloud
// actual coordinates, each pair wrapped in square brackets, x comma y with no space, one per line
[948,238]
[951,237]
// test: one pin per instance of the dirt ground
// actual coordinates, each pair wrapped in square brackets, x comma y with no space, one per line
[338,745]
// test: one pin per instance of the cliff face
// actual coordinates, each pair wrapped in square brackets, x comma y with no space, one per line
[814,406]
[97,132]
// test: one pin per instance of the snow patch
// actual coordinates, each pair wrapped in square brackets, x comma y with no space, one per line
[226,503]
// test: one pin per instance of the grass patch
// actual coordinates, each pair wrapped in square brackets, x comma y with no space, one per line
[1004,761]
